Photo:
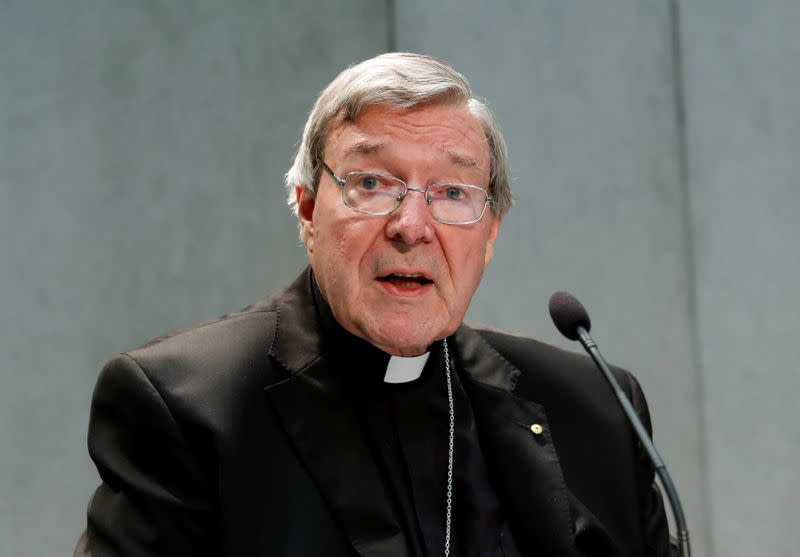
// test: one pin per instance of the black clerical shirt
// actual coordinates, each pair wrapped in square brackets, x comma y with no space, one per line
[407,428]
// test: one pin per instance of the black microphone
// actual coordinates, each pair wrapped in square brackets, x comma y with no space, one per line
[572,320]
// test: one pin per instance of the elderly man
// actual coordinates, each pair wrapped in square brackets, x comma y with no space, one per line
[354,413]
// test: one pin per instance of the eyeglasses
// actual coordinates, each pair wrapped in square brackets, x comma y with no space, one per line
[381,194]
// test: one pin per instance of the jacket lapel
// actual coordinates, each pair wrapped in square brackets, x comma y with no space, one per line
[322,425]
[521,460]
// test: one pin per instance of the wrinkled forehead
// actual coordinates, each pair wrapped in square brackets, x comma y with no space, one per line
[448,128]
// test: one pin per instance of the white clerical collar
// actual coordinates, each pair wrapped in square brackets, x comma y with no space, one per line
[403,370]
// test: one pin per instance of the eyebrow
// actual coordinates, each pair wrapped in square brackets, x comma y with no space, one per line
[462,160]
[368,148]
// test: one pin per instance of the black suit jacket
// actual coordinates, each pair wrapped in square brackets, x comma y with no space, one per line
[234,437]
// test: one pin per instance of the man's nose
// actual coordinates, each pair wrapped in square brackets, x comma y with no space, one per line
[411,222]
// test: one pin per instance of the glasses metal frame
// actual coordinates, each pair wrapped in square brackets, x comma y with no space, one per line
[428,200]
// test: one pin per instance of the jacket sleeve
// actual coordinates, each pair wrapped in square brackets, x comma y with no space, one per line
[154,499]
[655,527]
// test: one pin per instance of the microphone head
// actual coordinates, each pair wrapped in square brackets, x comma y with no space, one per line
[568,314]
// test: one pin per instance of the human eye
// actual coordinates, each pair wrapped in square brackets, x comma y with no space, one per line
[454,192]
[450,192]
[372,192]
[367,182]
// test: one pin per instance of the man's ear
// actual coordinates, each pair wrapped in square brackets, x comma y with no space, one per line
[494,230]
[305,200]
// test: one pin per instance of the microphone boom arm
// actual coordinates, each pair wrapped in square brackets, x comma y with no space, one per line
[680,520]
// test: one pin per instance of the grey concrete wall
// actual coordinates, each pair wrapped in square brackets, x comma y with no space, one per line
[585,95]
[586,100]
[142,146]
[742,83]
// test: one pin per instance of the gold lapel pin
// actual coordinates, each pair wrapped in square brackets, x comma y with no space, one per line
[536,429]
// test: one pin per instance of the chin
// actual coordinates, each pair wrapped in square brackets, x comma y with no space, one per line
[404,341]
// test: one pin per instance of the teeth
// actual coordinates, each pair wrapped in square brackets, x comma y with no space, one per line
[406,278]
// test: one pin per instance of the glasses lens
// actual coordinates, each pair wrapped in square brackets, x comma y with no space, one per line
[372,193]
[457,203]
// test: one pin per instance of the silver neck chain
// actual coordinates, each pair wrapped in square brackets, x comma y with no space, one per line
[449,499]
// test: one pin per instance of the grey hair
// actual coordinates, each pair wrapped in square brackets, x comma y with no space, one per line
[404,80]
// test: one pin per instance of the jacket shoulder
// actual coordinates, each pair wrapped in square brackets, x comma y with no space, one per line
[220,346]
[595,444]
[206,370]
[545,368]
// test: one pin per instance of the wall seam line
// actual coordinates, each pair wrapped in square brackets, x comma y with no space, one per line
[682,148]
[391,26]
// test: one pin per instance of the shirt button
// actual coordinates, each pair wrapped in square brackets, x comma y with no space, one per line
[536,429]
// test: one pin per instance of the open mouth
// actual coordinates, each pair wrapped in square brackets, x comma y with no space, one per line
[404,281]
